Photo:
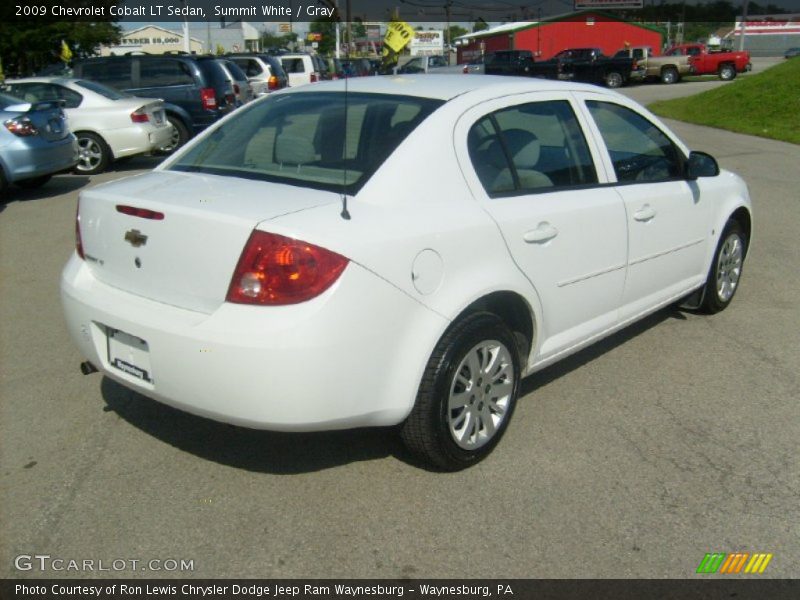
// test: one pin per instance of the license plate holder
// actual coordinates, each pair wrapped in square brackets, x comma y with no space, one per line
[129,354]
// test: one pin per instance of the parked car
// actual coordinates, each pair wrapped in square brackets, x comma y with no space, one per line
[35,142]
[725,65]
[195,89]
[241,86]
[428,64]
[107,123]
[792,53]
[508,62]
[300,69]
[465,233]
[321,66]
[265,73]
[589,65]
[342,68]
[667,69]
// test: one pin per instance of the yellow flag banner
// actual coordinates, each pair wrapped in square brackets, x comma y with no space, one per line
[66,53]
[398,35]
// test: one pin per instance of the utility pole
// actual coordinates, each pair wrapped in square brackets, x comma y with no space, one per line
[743,27]
[447,6]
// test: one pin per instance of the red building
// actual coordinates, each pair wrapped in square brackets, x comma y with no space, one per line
[587,29]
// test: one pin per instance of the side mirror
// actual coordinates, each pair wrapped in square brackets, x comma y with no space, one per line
[701,164]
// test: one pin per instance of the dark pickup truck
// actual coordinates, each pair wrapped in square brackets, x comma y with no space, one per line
[589,65]
[508,62]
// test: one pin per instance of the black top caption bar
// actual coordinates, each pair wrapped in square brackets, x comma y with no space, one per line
[281,10]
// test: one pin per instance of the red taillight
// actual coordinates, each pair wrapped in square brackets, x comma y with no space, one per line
[21,126]
[236,89]
[143,213]
[272,82]
[275,270]
[139,116]
[209,98]
[314,77]
[78,240]
[465,69]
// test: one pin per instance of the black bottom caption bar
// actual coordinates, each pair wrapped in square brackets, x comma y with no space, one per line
[547,589]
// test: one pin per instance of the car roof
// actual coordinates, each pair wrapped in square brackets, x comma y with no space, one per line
[441,87]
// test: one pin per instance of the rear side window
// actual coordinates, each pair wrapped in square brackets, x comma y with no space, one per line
[293,65]
[304,139]
[249,66]
[164,73]
[534,147]
[116,73]
[45,92]
[639,150]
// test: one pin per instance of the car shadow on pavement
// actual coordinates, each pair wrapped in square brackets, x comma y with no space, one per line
[249,449]
[567,365]
[292,453]
[135,163]
[61,184]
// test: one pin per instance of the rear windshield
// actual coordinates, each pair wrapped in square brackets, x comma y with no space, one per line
[302,139]
[103,90]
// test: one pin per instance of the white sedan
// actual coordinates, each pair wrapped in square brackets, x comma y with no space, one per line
[288,270]
[108,124]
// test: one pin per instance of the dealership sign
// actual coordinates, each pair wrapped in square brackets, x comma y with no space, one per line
[607,4]
[427,43]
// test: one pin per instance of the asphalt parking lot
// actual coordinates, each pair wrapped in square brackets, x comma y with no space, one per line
[634,458]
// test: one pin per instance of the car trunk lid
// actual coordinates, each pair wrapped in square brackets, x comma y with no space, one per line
[176,237]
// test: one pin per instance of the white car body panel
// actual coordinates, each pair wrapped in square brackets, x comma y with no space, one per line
[424,242]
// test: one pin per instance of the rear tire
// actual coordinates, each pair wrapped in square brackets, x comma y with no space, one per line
[727,72]
[180,135]
[36,182]
[669,75]
[614,80]
[3,183]
[467,394]
[726,269]
[94,154]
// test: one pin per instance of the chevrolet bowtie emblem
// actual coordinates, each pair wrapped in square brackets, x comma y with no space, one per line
[135,237]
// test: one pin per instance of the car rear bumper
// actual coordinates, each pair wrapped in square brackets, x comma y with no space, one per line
[324,364]
[25,159]
[138,139]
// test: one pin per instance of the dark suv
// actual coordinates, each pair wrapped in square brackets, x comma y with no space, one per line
[195,89]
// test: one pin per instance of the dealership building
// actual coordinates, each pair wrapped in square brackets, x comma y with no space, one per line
[585,29]
[765,35]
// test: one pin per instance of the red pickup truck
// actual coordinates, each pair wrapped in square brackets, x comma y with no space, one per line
[706,62]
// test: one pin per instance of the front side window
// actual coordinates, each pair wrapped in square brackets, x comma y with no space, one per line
[305,139]
[535,147]
[639,151]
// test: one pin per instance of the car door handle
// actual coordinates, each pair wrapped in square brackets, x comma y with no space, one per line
[543,233]
[645,213]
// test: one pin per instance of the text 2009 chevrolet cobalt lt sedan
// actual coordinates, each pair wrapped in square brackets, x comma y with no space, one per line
[398,251]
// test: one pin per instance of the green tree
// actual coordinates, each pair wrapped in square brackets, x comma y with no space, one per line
[27,46]
[479,25]
[456,31]
[327,29]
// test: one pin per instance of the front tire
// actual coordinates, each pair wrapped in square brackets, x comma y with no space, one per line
[726,269]
[467,394]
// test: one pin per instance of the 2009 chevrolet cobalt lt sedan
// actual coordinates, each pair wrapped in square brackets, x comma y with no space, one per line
[397,251]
